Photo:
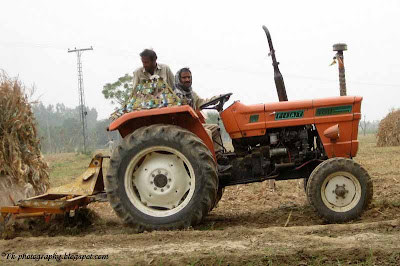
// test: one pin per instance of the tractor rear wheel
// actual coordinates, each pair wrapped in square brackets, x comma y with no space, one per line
[220,192]
[339,189]
[162,177]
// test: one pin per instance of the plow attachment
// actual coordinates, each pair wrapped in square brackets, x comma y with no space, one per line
[87,188]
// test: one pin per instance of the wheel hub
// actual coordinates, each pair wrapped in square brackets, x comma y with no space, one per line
[160,180]
[341,191]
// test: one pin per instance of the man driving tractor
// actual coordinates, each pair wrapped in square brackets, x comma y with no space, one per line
[183,89]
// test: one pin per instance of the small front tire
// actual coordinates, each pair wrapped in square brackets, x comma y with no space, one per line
[339,189]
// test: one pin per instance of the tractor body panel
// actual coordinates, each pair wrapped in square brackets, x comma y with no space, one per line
[183,116]
[243,121]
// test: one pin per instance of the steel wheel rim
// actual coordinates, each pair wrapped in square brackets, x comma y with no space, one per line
[159,181]
[341,191]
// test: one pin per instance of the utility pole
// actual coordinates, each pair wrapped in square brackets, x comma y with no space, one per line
[82,104]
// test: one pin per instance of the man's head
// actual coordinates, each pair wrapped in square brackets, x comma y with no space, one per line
[185,78]
[149,60]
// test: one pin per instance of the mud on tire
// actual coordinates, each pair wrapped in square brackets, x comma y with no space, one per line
[339,190]
[153,163]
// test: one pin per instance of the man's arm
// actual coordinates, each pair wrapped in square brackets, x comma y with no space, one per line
[197,101]
[170,77]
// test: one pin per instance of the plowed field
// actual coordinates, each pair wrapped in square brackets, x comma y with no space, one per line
[252,225]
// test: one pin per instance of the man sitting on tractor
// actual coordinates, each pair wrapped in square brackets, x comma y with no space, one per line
[183,89]
[151,68]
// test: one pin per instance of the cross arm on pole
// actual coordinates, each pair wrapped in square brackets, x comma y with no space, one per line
[80,50]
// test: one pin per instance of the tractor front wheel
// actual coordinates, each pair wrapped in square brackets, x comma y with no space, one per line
[162,177]
[339,189]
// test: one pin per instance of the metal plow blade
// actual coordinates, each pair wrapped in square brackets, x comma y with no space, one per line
[87,188]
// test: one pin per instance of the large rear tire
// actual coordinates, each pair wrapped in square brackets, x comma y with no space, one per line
[162,177]
[220,193]
[339,189]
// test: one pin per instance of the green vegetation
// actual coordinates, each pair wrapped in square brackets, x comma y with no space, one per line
[65,167]
[60,130]
[119,91]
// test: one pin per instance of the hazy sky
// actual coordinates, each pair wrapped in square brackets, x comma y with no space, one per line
[221,41]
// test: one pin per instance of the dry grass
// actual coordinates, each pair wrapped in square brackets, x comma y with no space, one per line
[21,162]
[389,130]
[64,167]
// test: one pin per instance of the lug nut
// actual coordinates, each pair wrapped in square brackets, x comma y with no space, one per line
[155,188]
[162,190]
[151,182]
[153,175]
[169,179]
[168,186]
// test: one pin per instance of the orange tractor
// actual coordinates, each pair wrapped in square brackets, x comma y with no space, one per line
[169,171]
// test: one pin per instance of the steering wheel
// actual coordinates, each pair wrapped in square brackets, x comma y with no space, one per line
[217,103]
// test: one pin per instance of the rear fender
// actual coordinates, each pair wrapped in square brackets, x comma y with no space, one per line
[182,116]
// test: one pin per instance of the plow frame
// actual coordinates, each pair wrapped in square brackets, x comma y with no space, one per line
[87,188]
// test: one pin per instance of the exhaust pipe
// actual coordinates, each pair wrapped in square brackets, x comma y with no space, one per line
[339,48]
[280,85]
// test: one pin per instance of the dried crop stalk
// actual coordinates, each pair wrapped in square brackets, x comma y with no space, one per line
[389,130]
[23,171]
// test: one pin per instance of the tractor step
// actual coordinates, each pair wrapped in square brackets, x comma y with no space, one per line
[87,188]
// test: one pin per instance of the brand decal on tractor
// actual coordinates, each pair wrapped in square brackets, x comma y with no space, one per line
[333,110]
[253,118]
[289,115]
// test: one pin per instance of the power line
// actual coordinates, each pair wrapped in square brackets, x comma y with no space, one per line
[126,52]
[82,104]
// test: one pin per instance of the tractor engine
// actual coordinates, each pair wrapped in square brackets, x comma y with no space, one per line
[279,149]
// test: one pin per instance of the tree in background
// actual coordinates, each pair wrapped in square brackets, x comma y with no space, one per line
[364,125]
[368,127]
[119,91]
[60,130]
